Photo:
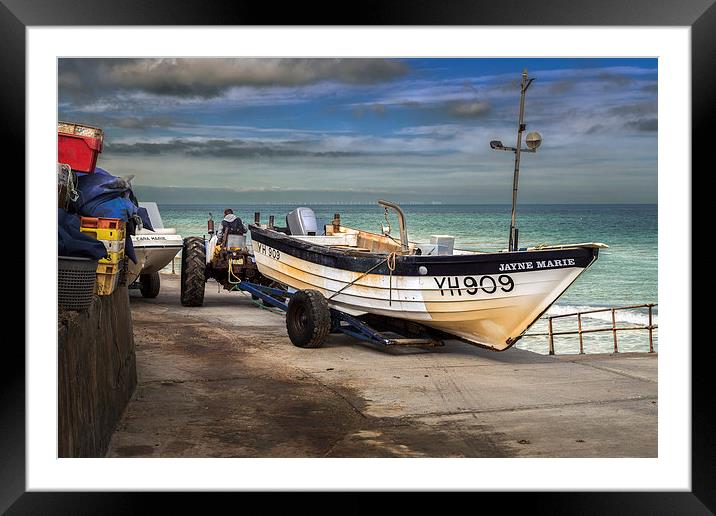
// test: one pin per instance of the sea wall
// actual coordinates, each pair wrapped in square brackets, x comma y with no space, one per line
[97,373]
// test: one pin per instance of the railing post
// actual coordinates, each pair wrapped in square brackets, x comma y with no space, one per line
[651,332]
[581,343]
[551,337]
[614,330]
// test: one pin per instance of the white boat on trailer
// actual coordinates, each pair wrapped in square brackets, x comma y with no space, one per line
[357,282]
[486,299]
[155,250]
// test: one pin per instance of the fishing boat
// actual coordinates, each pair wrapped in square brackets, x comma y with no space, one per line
[154,249]
[488,299]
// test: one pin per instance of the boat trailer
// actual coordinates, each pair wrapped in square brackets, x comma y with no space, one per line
[341,322]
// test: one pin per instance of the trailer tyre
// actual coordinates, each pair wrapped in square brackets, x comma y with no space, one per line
[149,285]
[308,319]
[193,271]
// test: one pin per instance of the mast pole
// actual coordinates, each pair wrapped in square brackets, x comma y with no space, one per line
[520,129]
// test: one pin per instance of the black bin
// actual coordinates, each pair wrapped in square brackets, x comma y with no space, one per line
[75,282]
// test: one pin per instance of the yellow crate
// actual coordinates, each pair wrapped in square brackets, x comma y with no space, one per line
[105,284]
[113,258]
[108,268]
[113,246]
[107,278]
[105,234]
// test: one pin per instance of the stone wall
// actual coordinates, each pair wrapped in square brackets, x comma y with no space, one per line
[97,373]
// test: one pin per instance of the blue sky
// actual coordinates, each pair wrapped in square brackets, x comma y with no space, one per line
[199,130]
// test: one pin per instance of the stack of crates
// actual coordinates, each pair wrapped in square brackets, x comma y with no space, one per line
[111,232]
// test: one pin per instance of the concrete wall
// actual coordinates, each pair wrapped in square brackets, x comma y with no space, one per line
[97,373]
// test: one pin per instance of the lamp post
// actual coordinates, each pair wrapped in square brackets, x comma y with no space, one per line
[533,141]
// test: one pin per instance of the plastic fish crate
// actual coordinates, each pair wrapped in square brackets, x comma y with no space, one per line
[107,278]
[113,258]
[79,146]
[101,223]
[104,234]
[113,246]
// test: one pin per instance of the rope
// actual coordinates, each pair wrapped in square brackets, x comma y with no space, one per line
[271,309]
[390,260]
[391,268]
[72,191]
[231,274]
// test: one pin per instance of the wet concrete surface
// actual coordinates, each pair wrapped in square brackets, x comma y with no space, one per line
[223,380]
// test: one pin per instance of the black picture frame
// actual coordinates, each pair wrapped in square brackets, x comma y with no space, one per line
[700,15]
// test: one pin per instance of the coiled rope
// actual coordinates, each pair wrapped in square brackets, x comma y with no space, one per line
[231,273]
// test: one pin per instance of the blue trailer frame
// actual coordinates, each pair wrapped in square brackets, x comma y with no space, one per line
[341,322]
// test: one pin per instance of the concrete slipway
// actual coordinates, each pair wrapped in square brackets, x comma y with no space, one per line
[223,380]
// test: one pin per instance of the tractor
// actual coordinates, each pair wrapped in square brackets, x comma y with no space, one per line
[229,263]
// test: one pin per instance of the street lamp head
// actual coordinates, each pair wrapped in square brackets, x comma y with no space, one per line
[496,144]
[533,140]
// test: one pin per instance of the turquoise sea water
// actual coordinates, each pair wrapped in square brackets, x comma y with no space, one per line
[625,274]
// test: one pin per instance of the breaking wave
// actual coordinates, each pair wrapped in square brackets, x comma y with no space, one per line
[632,316]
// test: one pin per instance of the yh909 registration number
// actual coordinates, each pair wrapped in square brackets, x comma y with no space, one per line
[267,251]
[471,285]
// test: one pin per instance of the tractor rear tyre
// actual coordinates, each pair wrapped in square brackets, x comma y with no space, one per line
[149,285]
[193,271]
[308,319]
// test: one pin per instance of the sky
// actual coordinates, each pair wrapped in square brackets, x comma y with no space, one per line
[212,130]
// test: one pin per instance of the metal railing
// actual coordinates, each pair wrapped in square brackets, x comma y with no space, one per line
[613,328]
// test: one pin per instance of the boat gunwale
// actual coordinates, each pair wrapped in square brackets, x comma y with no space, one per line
[366,260]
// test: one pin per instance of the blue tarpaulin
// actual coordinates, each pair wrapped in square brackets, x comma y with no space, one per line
[103,195]
[72,242]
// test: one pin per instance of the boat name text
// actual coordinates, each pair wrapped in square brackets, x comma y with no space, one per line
[538,264]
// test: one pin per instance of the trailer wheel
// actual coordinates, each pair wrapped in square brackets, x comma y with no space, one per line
[149,285]
[193,271]
[308,319]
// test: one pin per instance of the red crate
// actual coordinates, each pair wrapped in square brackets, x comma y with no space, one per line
[78,146]
[100,223]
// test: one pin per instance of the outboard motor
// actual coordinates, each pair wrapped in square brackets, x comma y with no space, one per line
[302,221]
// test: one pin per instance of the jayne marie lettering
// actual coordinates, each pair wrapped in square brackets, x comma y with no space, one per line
[539,264]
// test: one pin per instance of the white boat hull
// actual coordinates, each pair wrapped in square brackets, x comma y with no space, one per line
[491,310]
[154,250]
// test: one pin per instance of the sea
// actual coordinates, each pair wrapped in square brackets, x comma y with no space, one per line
[624,275]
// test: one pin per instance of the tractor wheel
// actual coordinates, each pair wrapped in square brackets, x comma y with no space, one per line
[308,319]
[193,271]
[149,285]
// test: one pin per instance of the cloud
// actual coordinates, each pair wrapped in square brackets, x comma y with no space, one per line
[105,121]
[468,109]
[561,87]
[222,149]
[619,80]
[645,125]
[143,123]
[639,109]
[211,77]
[377,109]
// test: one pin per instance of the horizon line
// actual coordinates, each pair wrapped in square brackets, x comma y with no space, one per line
[413,203]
